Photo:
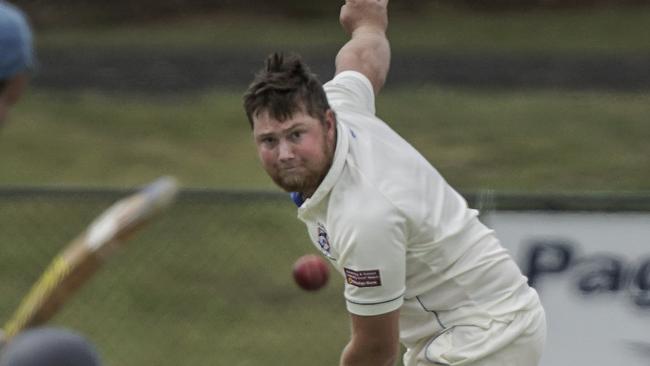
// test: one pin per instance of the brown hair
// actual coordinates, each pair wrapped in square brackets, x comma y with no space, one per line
[285,86]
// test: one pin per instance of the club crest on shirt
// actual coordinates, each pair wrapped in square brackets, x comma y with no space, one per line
[324,241]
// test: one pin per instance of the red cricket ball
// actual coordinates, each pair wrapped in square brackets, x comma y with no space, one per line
[310,272]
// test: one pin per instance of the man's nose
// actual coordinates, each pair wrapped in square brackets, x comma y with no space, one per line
[285,150]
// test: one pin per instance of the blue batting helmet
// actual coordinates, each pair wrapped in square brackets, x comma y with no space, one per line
[49,347]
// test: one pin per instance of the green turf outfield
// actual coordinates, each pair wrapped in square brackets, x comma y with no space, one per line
[521,141]
[599,30]
[208,284]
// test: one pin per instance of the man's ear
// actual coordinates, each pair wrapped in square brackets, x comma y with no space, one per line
[330,126]
[330,119]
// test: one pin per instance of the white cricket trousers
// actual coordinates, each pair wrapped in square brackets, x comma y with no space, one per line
[516,343]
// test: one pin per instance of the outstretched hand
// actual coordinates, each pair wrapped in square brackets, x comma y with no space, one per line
[370,15]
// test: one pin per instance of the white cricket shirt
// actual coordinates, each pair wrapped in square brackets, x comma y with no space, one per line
[399,234]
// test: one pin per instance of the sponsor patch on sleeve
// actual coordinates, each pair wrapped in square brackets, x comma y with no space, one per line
[369,278]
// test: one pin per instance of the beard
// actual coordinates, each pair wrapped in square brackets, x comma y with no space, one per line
[305,177]
[299,179]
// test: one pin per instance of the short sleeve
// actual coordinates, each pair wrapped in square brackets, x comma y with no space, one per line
[373,262]
[351,90]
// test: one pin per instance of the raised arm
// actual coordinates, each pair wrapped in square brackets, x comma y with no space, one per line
[368,50]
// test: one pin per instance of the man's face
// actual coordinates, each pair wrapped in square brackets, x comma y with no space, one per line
[296,153]
[11,94]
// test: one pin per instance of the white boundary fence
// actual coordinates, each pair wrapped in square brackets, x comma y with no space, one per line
[588,256]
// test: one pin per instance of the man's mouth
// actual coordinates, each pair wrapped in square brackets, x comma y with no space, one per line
[291,168]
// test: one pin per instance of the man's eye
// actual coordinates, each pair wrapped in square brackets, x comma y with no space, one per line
[296,134]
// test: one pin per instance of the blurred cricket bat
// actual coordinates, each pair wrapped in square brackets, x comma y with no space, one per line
[85,254]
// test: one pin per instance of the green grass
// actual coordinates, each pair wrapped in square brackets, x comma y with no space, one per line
[590,30]
[529,141]
[198,287]
[599,30]
[101,140]
[523,141]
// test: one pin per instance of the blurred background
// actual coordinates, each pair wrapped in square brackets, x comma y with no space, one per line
[507,98]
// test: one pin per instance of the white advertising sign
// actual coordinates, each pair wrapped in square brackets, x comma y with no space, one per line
[592,272]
